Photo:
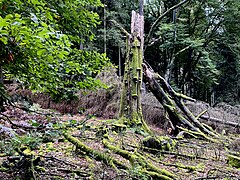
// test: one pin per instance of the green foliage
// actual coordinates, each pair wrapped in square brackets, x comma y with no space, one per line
[119,11]
[31,140]
[38,41]
[76,18]
[136,172]
[234,161]
[196,46]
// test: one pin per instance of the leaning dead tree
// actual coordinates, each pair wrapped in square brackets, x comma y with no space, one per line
[135,71]
[182,119]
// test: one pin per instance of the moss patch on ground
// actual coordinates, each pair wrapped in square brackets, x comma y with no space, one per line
[79,147]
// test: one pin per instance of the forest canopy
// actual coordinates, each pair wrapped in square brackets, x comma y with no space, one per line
[194,47]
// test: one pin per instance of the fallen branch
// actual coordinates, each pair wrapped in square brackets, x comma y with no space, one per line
[203,117]
[79,172]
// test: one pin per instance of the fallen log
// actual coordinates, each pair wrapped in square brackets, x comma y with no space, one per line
[206,118]
[212,119]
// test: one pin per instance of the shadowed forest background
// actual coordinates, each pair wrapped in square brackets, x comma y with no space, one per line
[68,95]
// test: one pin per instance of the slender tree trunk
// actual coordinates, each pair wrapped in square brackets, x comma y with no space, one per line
[104,29]
[119,62]
[2,90]
[141,7]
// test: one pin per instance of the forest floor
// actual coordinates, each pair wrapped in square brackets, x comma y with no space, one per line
[32,144]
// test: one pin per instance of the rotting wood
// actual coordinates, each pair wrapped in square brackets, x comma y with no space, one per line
[130,103]
[178,113]
[216,120]
[135,69]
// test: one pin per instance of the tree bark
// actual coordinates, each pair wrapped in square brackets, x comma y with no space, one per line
[2,93]
[130,106]
[130,103]
[104,30]
[172,102]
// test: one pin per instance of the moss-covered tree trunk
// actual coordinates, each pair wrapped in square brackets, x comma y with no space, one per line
[130,106]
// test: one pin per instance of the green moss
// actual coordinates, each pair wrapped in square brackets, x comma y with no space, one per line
[123,120]
[50,147]
[190,168]
[234,161]
[156,175]
[159,143]
[3,169]
[117,127]
[94,153]
[28,152]
[102,131]
[152,167]
[139,159]
[135,78]
[134,95]
[131,110]
[39,168]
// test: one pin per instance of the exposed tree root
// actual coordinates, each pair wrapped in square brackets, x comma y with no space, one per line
[134,158]
[156,175]
[110,161]
[30,161]
[138,158]
[3,155]
[26,163]
[3,169]
[190,168]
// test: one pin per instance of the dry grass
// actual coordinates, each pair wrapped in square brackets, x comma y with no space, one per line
[63,161]
[105,103]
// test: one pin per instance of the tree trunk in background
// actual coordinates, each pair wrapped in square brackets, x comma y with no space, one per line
[104,29]
[2,90]
[119,62]
[141,7]
[130,106]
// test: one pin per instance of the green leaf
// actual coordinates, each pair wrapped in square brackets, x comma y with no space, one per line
[34,123]
[4,39]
